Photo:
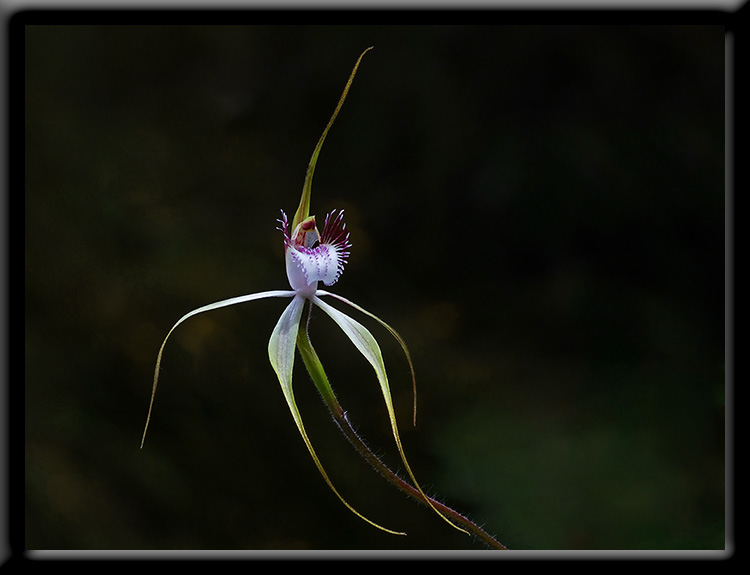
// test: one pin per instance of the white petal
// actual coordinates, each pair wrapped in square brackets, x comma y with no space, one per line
[392,331]
[281,348]
[367,346]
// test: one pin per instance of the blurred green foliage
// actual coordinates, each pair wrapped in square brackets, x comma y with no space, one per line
[540,211]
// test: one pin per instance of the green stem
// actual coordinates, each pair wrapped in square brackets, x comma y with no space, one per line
[316,371]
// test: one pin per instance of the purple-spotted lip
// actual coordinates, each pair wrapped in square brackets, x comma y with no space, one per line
[312,256]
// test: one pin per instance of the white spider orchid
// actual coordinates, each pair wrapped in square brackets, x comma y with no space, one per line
[313,257]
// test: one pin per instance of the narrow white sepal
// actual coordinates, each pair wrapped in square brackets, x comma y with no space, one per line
[205,308]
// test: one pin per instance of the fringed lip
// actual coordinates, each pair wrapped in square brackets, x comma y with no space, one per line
[312,256]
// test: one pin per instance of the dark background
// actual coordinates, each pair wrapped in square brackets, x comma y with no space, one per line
[538,210]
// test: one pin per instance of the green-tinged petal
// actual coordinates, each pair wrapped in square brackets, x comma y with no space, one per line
[303,211]
[209,307]
[392,331]
[281,349]
[364,341]
[281,353]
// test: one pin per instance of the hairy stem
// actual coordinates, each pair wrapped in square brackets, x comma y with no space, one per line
[315,369]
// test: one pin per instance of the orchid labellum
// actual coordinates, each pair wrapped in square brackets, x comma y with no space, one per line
[312,257]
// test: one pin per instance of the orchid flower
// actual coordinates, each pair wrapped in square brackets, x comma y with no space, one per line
[312,257]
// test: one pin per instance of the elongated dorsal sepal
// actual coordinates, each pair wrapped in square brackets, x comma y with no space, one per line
[303,211]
